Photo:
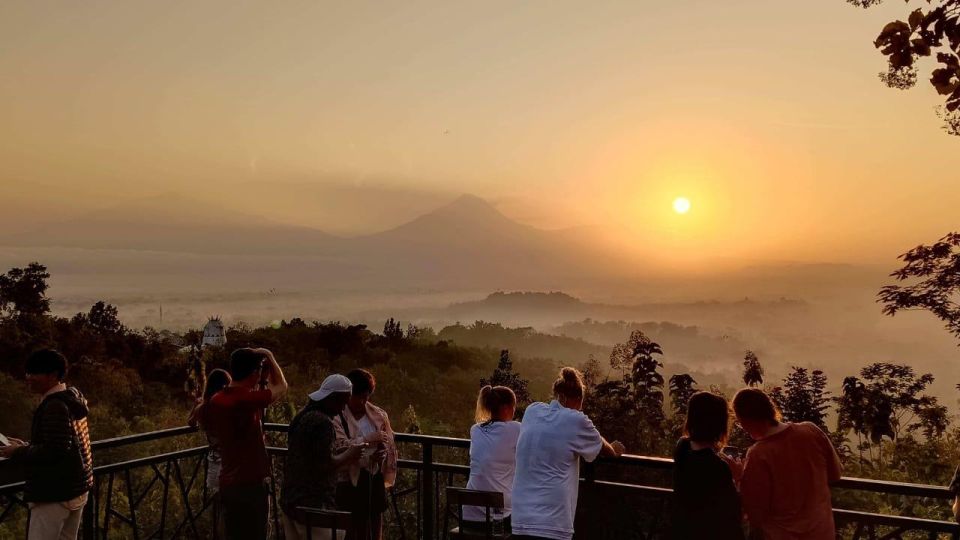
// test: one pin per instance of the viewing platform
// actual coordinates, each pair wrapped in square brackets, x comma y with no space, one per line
[152,485]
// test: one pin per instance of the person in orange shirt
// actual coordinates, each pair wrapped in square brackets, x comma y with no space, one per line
[785,484]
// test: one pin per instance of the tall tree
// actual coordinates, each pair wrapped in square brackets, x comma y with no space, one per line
[935,271]
[932,28]
[682,387]
[103,318]
[803,397]
[504,375]
[752,370]
[23,291]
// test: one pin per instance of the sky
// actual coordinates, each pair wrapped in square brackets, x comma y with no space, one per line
[767,115]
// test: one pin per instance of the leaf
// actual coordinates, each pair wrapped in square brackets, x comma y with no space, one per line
[916,18]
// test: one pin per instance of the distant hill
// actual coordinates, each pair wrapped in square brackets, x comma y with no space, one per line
[465,243]
[176,224]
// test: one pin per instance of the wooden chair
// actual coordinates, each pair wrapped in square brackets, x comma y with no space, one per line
[459,498]
[324,519]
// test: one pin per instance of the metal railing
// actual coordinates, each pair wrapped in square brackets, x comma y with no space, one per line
[163,494]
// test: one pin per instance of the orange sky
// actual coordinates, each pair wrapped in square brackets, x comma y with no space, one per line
[767,115]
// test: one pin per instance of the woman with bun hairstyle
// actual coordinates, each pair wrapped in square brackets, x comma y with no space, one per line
[493,456]
[553,438]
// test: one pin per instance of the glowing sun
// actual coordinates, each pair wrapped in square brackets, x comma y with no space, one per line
[681,205]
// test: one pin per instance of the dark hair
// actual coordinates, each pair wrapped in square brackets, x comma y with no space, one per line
[363,381]
[491,399]
[45,362]
[217,380]
[754,404]
[570,384]
[244,362]
[708,418]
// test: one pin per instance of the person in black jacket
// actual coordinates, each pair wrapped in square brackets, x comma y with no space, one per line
[57,460]
[705,499]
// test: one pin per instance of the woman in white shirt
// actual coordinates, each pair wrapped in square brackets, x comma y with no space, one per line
[553,439]
[493,452]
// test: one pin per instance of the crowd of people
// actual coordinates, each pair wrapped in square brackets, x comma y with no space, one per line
[342,455]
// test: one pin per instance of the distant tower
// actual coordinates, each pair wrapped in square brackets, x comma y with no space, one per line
[214,333]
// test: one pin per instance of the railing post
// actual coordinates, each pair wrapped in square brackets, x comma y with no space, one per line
[426,491]
[89,518]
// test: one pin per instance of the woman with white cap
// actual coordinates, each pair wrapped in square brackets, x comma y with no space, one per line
[310,473]
[362,489]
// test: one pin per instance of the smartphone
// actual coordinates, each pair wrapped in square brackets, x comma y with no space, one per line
[733,451]
[4,441]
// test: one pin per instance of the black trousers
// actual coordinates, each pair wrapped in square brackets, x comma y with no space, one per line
[525,537]
[245,511]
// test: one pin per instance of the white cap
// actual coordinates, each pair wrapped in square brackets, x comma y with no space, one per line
[331,385]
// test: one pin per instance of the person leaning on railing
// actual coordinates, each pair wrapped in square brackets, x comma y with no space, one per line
[234,421]
[493,457]
[362,488]
[58,460]
[553,439]
[785,486]
[705,499]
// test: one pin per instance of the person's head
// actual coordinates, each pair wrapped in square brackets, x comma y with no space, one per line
[45,369]
[755,412]
[569,388]
[333,394]
[708,419]
[496,403]
[363,386]
[217,380]
[245,366]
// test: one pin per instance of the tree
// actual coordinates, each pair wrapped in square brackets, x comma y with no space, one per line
[591,372]
[752,370]
[682,388]
[803,397]
[23,291]
[934,27]
[392,330]
[505,376]
[937,269]
[103,319]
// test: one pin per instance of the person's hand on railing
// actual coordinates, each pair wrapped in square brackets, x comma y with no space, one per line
[618,448]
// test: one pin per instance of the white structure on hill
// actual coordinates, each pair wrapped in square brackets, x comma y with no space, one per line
[214,333]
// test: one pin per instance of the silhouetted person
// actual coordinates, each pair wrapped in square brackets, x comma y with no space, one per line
[785,488]
[310,472]
[234,420]
[362,489]
[705,499]
[553,439]
[493,456]
[57,460]
[217,380]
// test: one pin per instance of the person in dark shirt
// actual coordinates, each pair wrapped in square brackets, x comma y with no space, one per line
[310,473]
[57,460]
[234,421]
[705,499]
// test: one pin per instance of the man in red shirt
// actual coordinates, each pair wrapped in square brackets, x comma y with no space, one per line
[234,420]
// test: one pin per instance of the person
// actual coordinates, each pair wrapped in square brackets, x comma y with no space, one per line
[234,421]
[58,462]
[785,486]
[493,456]
[310,472]
[217,380]
[362,487]
[553,439]
[705,499]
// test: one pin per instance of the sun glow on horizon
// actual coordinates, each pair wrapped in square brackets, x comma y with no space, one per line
[681,205]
